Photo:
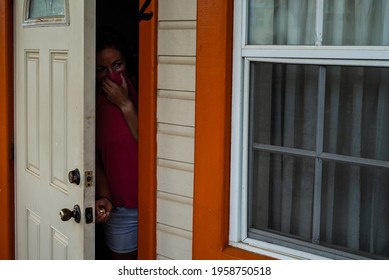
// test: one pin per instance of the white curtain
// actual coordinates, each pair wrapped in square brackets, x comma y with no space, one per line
[354,198]
[346,22]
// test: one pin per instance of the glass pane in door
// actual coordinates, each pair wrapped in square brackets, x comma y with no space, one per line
[46,8]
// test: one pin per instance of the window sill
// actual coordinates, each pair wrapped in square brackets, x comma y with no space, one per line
[235,253]
[271,251]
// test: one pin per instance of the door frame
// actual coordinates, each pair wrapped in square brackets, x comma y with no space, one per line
[147,133]
[7,232]
[147,117]
[213,133]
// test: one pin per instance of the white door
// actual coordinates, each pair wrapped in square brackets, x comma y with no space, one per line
[54,97]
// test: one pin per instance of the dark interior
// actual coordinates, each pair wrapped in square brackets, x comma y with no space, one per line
[121,15]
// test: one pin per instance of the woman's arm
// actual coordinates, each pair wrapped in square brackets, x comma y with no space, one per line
[118,95]
[103,202]
[131,116]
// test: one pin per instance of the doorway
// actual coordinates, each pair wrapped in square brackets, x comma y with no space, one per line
[122,18]
[147,86]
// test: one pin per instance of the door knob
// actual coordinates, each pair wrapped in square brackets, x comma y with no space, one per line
[74,176]
[67,214]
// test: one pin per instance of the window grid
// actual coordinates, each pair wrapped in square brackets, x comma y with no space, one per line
[308,55]
[318,160]
[318,155]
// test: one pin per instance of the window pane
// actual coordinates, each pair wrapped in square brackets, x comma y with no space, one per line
[355,209]
[284,104]
[284,113]
[46,8]
[282,194]
[356,23]
[345,22]
[357,112]
[280,22]
[317,135]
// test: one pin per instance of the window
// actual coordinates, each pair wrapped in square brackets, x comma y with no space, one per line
[310,144]
[46,12]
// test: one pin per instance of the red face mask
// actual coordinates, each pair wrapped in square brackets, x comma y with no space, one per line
[115,77]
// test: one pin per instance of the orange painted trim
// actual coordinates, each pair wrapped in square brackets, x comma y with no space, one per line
[212,138]
[147,134]
[7,231]
[213,133]
[231,253]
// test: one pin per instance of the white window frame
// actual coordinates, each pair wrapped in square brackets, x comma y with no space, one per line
[243,54]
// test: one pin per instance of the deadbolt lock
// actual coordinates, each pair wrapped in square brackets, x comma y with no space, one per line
[74,176]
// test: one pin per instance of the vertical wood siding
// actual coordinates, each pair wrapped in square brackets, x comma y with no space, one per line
[175,136]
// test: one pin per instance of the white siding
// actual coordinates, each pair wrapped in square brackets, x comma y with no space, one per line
[175,138]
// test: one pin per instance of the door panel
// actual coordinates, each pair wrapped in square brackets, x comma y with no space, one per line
[54,99]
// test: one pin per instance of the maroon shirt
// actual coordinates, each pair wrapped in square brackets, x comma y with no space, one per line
[118,150]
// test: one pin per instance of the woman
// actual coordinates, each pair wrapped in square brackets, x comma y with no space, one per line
[116,148]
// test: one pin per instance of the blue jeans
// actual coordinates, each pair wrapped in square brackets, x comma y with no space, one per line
[121,230]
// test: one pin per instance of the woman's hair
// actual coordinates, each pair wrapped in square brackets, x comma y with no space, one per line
[108,37]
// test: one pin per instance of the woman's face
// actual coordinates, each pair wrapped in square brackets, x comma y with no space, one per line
[109,60]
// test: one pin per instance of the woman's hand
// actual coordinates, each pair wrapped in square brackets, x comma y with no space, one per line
[103,209]
[117,94]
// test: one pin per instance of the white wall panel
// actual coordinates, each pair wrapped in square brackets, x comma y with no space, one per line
[175,177]
[175,210]
[176,121]
[177,38]
[176,107]
[173,243]
[175,143]
[177,10]
[176,73]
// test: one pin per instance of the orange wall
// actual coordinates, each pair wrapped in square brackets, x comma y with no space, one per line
[213,98]
[6,132]
[213,133]
[147,134]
